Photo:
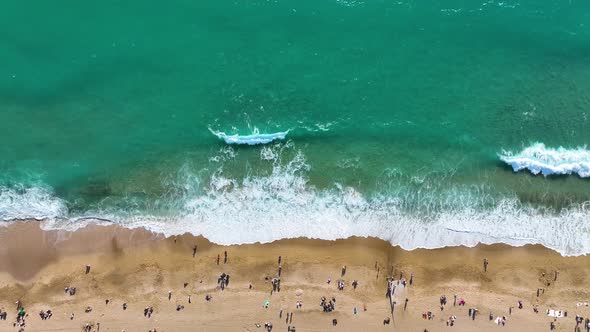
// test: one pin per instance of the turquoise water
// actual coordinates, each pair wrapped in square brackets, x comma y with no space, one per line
[397,112]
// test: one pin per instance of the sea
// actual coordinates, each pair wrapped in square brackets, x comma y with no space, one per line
[423,123]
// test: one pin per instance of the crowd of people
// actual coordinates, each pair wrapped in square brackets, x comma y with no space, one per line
[148,311]
[223,281]
[45,314]
[326,305]
[70,290]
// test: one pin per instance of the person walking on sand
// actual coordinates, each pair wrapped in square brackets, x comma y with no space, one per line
[218,259]
[225,257]
[194,250]
[87,268]
[280,260]
[169,295]
[485,265]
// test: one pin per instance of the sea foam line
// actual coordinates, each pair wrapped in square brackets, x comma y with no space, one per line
[539,159]
[265,209]
[283,204]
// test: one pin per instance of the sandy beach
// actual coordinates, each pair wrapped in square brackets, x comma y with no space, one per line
[140,268]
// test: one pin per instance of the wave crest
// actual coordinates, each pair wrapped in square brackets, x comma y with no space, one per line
[539,159]
[254,139]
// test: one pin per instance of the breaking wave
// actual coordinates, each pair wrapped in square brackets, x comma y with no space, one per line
[539,159]
[254,139]
[30,203]
[429,211]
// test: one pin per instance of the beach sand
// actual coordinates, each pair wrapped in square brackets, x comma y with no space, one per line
[139,268]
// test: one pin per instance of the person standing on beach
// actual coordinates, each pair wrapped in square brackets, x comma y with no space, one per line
[217,259]
[169,295]
[485,265]
[225,257]
[87,268]
[280,260]
[194,250]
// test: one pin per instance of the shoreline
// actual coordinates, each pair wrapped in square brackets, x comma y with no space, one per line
[138,267]
[458,238]
[63,242]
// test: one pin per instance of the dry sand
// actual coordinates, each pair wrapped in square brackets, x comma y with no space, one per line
[138,267]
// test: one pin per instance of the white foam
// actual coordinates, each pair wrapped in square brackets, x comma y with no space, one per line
[254,139]
[423,211]
[413,213]
[539,159]
[30,203]
[261,212]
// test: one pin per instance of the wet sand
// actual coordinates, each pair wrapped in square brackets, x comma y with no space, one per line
[139,268]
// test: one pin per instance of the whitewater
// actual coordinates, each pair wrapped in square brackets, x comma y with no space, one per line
[254,139]
[412,212]
[539,159]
